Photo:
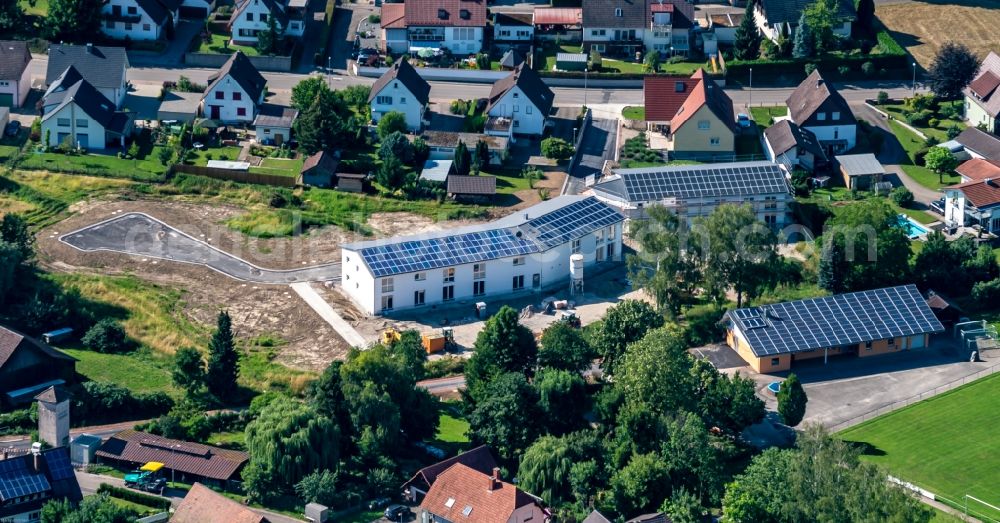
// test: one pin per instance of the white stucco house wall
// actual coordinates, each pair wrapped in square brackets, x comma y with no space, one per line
[816,106]
[139,19]
[400,89]
[523,99]
[236,93]
[73,109]
[15,76]
[456,25]
[516,255]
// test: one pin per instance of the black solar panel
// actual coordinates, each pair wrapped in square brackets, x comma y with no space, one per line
[572,221]
[701,181]
[17,480]
[421,255]
[844,319]
[59,466]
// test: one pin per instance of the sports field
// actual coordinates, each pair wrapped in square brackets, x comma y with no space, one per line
[947,444]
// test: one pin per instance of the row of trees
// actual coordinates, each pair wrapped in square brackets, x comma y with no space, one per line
[326,120]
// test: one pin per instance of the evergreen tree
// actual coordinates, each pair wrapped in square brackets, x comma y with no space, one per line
[746,45]
[463,159]
[865,23]
[14,230]
[483,153]
[805,44]
[11,14]
[831,275]
[792,401]
[223,360]
[269,40]
[309,128]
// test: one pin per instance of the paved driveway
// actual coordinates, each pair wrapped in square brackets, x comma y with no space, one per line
[173,55]
[143,235]
[598,145]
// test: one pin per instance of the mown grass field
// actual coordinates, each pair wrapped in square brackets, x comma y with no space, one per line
[945,444]
[148,168]
[43,197]
[922,27]
[911,144]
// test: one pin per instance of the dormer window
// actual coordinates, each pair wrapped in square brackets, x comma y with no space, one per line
[465,14]
[679,87]
[442,14]
[618,12]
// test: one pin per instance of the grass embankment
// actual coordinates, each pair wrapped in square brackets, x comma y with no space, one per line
[939,131]
[42,197]
[146,168]
[941,444]
[911,144]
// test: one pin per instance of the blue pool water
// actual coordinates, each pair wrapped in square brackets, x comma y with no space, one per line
[912,228]
[774,386]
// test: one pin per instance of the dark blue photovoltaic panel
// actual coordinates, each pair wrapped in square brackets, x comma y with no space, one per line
[834,321]
[59,466]
[421,255]
[703,181]
[572,221]
[17,480]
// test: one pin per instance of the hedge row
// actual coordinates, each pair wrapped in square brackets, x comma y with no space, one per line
[134,497]
[740,69]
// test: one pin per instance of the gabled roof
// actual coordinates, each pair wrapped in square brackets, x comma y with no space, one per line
[511,59]
[834,321]
[462,494]
[90,101]
[978,169]
[156,9]
[815,92]
[664,95]
[445,13]
[706,93]
[243,72]
[393,16]
[558,16]
[322,160]
[14,59]
[785,134]
[530,84]
[473,185]
[190,458]
[715,180]
[981,193]
[204,505]
[273,7]
[521,19]
[596,517]
[403,72]
[789,11]
[980,142]
[24,489]
[12,341]
[104,67]
[273,115]
[983,89]
[604,13]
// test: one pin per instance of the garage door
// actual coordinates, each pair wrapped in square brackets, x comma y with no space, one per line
[6,100]
[917,342]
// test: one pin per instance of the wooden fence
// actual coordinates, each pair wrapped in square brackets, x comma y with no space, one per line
[234,176]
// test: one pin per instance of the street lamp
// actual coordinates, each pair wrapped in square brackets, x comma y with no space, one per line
[751,89]
[913,85]
[585,71]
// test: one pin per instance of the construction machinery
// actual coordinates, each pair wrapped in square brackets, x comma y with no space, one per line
[390,336]
[148,477]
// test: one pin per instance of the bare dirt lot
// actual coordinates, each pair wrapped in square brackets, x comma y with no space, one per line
[923,26]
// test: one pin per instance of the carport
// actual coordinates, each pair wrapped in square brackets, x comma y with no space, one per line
[179,107]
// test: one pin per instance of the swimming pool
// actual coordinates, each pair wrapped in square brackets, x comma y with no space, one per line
[913,229]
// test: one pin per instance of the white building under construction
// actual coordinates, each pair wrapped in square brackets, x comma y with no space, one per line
[525,252]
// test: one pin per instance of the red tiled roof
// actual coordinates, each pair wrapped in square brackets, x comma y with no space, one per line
[393,16]
[558,16]
[182,456]
[706,93]
[203,505]
[428,13]
[985,84]
[664,95]
[464,495]
[661,8]
[981,193]
[478,458]
[979,169]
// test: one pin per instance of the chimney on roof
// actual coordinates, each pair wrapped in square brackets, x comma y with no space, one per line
[494,479]
[36,454]
[90,48]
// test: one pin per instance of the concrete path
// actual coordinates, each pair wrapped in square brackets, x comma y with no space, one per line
[142,235]
[325,311]
[921,194]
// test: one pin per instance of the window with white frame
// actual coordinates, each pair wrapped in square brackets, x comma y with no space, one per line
[420,276]
[618,12]
[449,275]
[599,236]
[479,271]
[387,303]
[575,244]
[448,293]
[387,285]
[519,260]
[383,100]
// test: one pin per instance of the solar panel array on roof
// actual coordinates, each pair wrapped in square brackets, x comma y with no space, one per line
[834,321]
[59,466]
[572,221]
[700,181]
[421,255]
[17,480]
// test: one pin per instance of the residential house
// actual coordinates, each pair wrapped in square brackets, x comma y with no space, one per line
[15,78]
[652,517]
[978,169]
[29,481]
[513,30]
[558,23]
[273,124]
[623,28]
[982,102]
[400,89]
[464,494]
[251,17]
[792,146]
[525,252]
[694,113]
[235,93]
[102,67]
[442,144]
[73,110]
[776,18]
[519,103]
[816,106]
[188,461]
[860,171]
[974,204]
[455,25]
[28,366]
[319,169]
[196,9]
[511,59]
[880,321]
[203,505]
[479,459]
[724,25]
[139,20]
[596,517]
[692,191]
[480,188]
[976,143]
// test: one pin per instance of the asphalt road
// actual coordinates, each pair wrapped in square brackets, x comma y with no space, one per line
[143,235]
[443,386]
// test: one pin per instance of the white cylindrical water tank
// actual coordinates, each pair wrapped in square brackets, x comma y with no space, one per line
[576,267]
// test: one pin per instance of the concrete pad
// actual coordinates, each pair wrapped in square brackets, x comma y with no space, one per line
[325,311]
[144,101]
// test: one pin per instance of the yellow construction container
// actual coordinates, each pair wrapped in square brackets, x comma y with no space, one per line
[433,342]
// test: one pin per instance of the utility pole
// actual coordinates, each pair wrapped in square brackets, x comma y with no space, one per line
[751,90]
[913,85]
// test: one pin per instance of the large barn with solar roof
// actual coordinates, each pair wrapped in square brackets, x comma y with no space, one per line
[524,252]
[880,321]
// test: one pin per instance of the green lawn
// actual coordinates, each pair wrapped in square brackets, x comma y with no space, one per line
[508,184]
[548,54]
[452,429]
[202,156]
[228,439]
[764,116]
[147,168]
[280,166]
[360,516]
[40,7]
[220,44]
[139,372]
[634,113]
[943,444]
[940,131]
[911,144]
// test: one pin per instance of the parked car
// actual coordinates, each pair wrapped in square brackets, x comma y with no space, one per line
[743,120]
[157,485]
[13,127]
[368,57]
[938,206]
[397,512]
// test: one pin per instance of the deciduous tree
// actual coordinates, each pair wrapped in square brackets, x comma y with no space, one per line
[563,347]
[737,252]
[792,401]
[875,248]
[954,66]
[391,122]
[504,345]
[73,20]
[506,416]
[624,323]
[562,399]
[941,161]
[189,369]
[665,267]
[14,230]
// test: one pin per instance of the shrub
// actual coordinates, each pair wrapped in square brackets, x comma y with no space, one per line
[933,122]
[374,18]
[902,196]
[703,325]
[106,336]
[868,68]
[931,141]
[134,497]
[98,401]
[844,70]
[446,366]
[986,291]
[882,98]
[953,131]
[459,107]
[36,130]
[810,68]
[918,117]
[556,148]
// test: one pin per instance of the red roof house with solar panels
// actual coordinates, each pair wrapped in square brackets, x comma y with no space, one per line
[190,461]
